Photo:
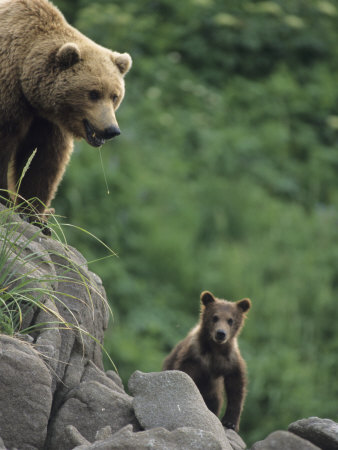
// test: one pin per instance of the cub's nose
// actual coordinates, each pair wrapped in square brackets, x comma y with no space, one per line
[220,335]
[111,132]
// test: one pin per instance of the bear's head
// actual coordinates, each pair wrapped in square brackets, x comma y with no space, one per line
[78,86]
[222,320]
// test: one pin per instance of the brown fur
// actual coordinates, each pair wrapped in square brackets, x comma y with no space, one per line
[210,355]
[55,85]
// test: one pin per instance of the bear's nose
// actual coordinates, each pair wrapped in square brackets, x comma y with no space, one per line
[220,335]
[111,132]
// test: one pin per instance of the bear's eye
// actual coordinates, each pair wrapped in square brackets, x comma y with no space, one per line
[215,318]
[94,95]
[230,321]
[114,98]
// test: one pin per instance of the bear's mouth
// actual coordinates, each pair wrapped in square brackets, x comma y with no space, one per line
[93,137]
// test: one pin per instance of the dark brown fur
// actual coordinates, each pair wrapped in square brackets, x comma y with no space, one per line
[210,355]
[55,85]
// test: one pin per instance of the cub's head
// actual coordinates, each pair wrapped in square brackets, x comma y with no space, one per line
[222,320]
[78,86]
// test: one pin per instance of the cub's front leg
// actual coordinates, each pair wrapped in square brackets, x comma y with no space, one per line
[235,388]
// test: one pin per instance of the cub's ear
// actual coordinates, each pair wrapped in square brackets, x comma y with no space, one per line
[123,62]
[244,304]
[68,55]
[207,297]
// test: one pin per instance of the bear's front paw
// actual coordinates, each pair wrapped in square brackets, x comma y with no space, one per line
[43,225]
[38,223]
[45,230]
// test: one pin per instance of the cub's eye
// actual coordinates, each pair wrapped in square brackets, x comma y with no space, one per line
[230,321]
[215,318]
[94,95]
[114,98]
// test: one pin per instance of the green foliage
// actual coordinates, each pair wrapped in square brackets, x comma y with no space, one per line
[224,178]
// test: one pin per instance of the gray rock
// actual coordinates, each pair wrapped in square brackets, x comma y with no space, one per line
[48,342]
[73,354]
[81,301]
[26,396]
[93,373]
[90,407]
[116,378]
[171,400]
[157,439]
[283,440]
[2,445]
[104,433]
[321,432]
[77,295]
[74,437]
[27,265]
[235,440]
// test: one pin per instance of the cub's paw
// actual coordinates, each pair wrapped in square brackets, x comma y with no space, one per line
[230,425]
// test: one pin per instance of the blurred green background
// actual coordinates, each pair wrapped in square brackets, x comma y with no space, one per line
[224,178]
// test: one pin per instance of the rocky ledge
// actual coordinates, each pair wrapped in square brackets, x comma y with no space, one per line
[55,394]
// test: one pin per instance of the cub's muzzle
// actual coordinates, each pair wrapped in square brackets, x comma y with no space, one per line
[220,335]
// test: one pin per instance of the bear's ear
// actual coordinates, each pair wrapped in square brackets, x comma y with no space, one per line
[123,62]
[207,297]
[68,55]
[244,304]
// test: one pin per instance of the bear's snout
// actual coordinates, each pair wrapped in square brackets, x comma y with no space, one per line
[97,138]
[111,132]
[220,335]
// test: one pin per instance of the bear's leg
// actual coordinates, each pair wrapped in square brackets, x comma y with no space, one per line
[213,401]
[4,162]
[41,179]
[235,388]
[210,388]
[10,136]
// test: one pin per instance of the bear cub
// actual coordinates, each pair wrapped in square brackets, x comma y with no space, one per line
[210,355]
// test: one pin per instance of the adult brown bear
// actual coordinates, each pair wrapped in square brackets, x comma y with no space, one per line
[55,85]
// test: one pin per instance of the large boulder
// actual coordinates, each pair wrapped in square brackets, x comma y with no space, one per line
[171,400]
[89,407]
[26,395]
[156,438]
[67,315]
[283,440]
[321,432]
